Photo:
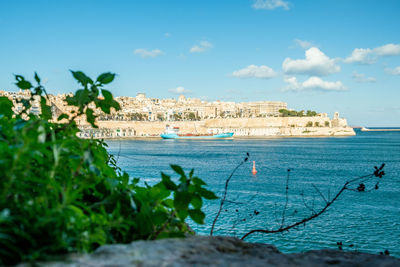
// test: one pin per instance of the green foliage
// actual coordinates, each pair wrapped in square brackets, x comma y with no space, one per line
[191,116]
[90,95]
[309,124]
[177,117]
[294,113]
[59,193]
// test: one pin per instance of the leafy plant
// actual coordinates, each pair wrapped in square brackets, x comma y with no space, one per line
[60,193]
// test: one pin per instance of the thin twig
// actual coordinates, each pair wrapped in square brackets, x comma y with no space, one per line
[283,229]
[320,193]
[287,198]
[225,192]
[377,173]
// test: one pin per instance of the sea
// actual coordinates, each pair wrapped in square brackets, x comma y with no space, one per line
[366,221]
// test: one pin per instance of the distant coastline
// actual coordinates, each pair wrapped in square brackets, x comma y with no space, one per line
[271,127]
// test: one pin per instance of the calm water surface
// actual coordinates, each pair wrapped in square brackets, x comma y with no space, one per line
[368,221]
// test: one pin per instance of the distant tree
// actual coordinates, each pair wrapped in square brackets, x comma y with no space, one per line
[160,117]
[327,124]
[316,124]
[284,112]
[177,117]
[191,116]
[291,113]
[309,124]
[311,113]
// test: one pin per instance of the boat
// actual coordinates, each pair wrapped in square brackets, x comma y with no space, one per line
[364,129]
[173,133]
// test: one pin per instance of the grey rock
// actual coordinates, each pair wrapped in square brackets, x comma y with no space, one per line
[213,251]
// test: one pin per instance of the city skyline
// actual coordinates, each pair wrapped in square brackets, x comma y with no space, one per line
[326,56]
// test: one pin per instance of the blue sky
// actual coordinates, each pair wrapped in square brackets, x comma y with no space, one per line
[322,55]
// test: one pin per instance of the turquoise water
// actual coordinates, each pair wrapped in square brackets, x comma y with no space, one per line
[370,222]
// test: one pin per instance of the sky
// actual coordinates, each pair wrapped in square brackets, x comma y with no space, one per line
[328,56]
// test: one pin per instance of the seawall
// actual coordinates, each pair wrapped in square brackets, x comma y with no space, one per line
[241,127]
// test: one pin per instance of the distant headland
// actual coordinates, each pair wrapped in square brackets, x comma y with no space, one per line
[141,116]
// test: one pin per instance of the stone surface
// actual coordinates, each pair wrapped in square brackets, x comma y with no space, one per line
[214,251]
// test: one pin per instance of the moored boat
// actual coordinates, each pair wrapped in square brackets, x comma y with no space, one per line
[173,133]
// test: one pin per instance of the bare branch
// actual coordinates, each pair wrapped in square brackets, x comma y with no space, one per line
[349,185]
[226,191]
[319,192]
[283,229]
[287,198]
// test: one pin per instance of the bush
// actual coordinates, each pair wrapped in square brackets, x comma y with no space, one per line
[60,193]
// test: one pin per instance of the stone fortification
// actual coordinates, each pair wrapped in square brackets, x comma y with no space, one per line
[241,127]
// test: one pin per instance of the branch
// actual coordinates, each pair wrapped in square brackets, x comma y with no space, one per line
[319,192]
[225,192]
[283,229]
[287,198]
[361,188]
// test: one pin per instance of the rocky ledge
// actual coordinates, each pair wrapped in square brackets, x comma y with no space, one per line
[214,251]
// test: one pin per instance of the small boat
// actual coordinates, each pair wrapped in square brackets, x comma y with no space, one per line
[364,129]
[173,133]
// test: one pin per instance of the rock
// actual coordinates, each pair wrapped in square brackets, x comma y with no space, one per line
[213,251]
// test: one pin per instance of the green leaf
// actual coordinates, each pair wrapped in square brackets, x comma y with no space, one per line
[168,203]
[6,107]
[37,79]
[90,117]
[207,194]
[106,77]
[198,181]
[197,215]
[22,83]
[46,110]
[182,214]
[181,200]
[107,95]
[63,116]
[196,201]
[81,77]
[178,169]
[169,184]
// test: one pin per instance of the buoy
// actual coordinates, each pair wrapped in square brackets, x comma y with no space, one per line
[254,171]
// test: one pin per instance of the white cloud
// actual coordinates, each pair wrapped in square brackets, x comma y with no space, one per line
[179,90]
[361,78]
[313,83]
[395,71]
[388,50]
[202,47]
[369,56]
[316,63]
[253,71]
[270,4]
[361,56]
[148,53]
[304,44]
[167,34]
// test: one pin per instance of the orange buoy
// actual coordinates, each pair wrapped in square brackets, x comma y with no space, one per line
[254,171]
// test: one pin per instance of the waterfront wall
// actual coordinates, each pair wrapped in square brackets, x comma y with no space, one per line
[241,127]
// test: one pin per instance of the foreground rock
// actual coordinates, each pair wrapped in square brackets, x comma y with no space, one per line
[215,251]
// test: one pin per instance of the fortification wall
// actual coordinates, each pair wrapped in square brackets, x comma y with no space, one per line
[241,127]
